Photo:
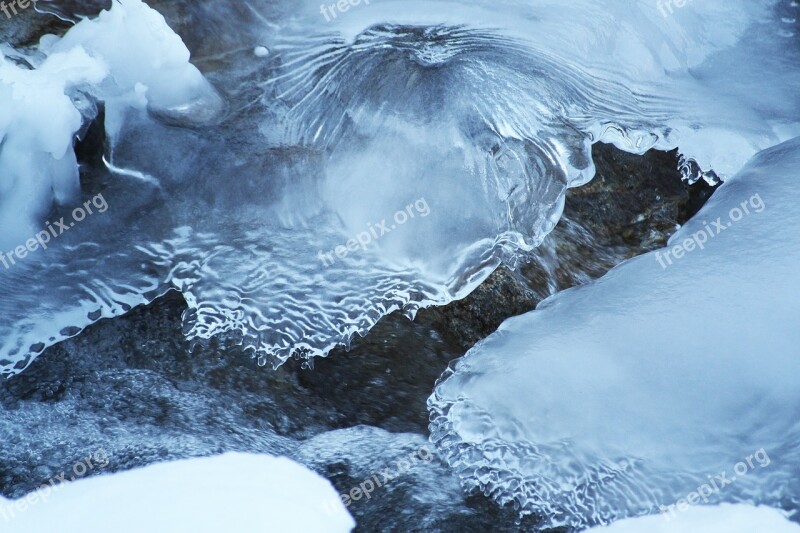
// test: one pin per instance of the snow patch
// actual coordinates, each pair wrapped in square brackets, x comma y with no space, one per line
[231,492]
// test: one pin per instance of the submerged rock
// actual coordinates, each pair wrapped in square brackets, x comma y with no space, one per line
[130,387]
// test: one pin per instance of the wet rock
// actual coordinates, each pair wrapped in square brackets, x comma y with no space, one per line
[130,388]
[634,204]
[24,28]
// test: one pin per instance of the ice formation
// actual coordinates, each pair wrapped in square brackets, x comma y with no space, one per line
[139,61]
[37,124]
[481,114]
[627,395]
[231,492]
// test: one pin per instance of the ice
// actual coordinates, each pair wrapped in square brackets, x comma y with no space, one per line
[480,114]
[144,56]
[627,395]
[233,492]
[37,124]
[641,73]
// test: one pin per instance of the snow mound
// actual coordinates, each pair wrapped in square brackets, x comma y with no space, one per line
[231,492]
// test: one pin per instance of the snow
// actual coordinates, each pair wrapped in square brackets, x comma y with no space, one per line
[37,124]
[720,519]
[148,62]
[231,492]
[632,392]
[127,57]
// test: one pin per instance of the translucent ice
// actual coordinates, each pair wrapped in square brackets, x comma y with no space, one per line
[291,224]
[676,370]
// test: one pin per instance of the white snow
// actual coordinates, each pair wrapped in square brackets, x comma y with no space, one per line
[37,125]
[127,57]
[148,62]
[231,492]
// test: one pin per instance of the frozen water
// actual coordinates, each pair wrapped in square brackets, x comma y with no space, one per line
[625,396]
[127,57]
[443,133]
[37,124]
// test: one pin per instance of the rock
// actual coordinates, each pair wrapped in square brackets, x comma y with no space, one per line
[28,25]
[634,204]
[409,487]
[130,387]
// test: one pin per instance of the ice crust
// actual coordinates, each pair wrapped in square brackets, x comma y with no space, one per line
[485,111]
